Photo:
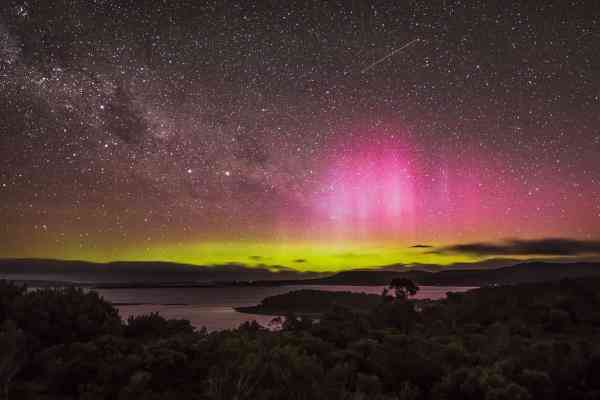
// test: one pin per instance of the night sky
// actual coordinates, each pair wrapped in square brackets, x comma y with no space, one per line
[316,135]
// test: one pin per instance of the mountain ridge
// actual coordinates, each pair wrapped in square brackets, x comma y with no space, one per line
[148,273]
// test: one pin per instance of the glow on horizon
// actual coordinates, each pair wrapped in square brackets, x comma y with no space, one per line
[371,197]
[300,256]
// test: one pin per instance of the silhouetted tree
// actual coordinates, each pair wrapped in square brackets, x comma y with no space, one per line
[153,326]
[403,288]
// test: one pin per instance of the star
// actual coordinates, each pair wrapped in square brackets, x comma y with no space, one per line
[369,129]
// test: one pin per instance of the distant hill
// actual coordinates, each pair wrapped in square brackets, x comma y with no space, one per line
[370,277]
[519,273]
[139,273]
[144,274]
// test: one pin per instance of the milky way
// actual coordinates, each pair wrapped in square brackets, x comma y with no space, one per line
[308,134]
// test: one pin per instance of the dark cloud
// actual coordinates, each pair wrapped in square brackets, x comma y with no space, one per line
[514,247]
[421,246]
[300,260]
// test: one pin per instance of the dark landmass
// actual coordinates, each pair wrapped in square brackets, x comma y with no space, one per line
[41,273]
[140,274]
[521,342]
[149,304]
[312,302]
[519,273]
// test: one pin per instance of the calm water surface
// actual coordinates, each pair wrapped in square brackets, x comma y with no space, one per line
[213,307]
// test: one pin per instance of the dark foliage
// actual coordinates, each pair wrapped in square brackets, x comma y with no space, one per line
[403,288]
[535,341]
[153,326]
[56,316]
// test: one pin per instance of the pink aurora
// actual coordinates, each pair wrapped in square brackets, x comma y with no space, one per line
[368,190]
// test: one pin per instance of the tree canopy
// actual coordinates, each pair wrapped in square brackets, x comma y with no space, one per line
[534,341]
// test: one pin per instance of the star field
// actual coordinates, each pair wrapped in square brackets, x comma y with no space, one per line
[339,133]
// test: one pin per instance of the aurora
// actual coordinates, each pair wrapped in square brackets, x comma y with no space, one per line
[208,137]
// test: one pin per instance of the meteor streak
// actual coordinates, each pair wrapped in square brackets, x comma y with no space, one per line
[370,66]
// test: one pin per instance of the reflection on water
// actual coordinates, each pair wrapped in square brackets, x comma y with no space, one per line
[213,307]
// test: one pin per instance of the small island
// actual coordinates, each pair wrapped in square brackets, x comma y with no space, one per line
[312,303]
